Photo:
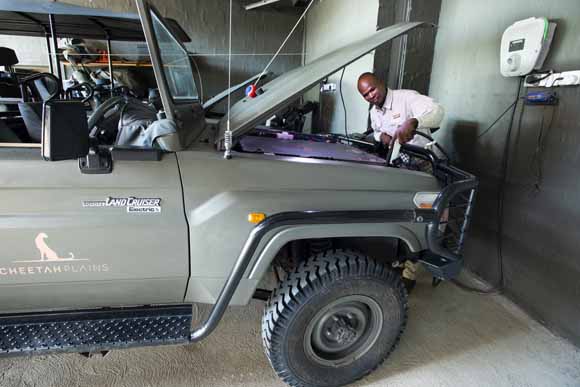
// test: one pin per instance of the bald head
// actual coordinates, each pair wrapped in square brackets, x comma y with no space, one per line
[372,89]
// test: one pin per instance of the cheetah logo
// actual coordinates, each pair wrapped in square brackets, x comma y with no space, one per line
[46,253]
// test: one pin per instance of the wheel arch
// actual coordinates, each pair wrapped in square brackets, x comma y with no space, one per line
[276,240]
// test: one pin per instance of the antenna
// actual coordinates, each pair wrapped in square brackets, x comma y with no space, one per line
[228,138]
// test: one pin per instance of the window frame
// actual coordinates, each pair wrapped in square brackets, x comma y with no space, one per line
[146,11]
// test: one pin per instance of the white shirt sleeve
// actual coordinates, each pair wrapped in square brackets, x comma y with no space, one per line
[428,112]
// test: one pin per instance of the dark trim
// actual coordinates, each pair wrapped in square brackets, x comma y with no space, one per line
[103,313]
[285,219]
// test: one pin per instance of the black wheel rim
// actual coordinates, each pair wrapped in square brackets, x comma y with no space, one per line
[343,331]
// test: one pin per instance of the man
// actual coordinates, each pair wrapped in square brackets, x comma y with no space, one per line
[397,114]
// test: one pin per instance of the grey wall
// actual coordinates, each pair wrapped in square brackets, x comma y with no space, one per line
[541,220]
[332,24]
[256,35]
[406,62]
[420,46]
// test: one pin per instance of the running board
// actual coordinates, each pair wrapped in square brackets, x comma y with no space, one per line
[94,330]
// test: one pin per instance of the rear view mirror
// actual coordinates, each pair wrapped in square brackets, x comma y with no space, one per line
[65,132]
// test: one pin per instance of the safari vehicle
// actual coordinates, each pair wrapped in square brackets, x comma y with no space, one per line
[110,238]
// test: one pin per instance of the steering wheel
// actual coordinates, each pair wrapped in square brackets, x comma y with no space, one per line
[86,86]
[101,112]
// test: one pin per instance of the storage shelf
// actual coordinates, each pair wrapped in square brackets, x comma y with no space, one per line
[115,64]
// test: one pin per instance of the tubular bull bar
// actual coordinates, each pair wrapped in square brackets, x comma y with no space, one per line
[450,217]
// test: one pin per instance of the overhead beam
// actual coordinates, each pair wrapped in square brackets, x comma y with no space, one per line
[260,3]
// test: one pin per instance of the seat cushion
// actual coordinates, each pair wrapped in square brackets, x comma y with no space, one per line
[32,115]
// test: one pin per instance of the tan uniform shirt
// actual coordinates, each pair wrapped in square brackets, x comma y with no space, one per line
[401,105]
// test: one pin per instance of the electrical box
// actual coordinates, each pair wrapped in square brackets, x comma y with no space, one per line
[525,45]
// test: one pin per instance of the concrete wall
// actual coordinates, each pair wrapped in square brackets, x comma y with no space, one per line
[420,46]
[541,260]
[405,63]
[256,37]
[332,24]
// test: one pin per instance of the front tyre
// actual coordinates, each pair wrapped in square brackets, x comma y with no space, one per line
[334,320]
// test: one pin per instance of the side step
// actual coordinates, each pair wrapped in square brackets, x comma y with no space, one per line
[94,330]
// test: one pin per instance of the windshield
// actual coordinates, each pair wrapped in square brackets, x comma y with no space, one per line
[175,62]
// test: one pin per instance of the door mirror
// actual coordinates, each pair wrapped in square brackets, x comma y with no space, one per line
[65,132]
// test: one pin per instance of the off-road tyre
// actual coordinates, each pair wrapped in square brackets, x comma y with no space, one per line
[330,283]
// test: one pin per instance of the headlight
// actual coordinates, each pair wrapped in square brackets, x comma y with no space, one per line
[425,200]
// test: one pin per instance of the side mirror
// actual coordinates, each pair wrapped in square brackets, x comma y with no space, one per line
[65,132]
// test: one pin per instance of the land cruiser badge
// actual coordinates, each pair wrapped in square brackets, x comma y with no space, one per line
[132,204]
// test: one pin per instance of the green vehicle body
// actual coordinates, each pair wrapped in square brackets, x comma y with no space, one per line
[185,252]
[170,226]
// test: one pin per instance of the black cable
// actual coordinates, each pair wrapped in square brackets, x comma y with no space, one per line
[502,184]
[538,156]
[344,106]
[498,118]
[537,80]
[501,193]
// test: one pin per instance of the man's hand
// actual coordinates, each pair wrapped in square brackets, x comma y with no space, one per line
[385,139]
[405,131]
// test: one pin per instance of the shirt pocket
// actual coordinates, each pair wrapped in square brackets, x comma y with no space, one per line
[392,123]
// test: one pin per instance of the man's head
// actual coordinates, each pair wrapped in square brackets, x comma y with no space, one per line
[372,89]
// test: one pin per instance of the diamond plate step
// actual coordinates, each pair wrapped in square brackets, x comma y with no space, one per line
[94,330]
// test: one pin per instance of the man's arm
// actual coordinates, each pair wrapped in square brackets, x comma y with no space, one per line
[426,114]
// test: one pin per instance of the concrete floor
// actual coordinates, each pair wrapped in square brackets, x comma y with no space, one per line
[453,338]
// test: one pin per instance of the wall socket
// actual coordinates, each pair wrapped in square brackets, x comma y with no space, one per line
[328,88]
[566,78]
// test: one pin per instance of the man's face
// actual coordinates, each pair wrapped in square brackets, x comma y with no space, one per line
[373,91]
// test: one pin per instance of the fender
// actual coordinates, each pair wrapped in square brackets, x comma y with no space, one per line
[275,240]
[299,221]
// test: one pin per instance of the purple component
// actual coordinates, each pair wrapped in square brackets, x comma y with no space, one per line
[303,148]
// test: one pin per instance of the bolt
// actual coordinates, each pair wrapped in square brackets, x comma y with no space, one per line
[419,219]
[328,332]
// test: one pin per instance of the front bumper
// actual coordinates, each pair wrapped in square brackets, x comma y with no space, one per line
[450,218]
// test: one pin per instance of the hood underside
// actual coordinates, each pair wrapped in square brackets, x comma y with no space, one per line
[280,92]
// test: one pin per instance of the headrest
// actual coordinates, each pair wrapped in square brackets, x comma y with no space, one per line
[7,57]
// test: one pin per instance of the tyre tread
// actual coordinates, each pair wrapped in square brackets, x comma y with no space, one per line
[318,271]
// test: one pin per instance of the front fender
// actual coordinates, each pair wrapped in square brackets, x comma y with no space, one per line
[413,234]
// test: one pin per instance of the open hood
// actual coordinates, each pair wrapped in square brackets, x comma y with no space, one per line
[280,92]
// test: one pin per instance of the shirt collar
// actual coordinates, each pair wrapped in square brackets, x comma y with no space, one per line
[388,102]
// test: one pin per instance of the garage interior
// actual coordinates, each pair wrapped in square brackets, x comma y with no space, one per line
[521,328]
